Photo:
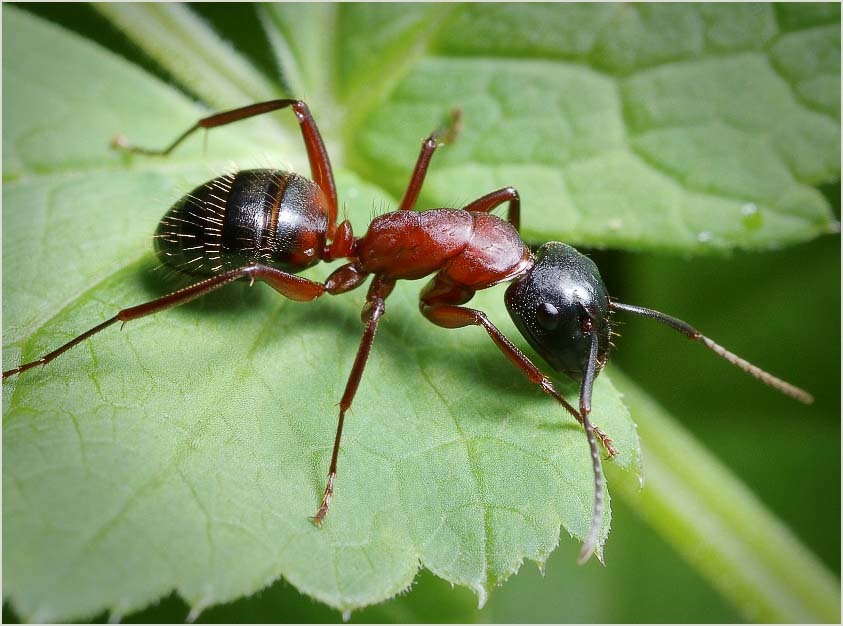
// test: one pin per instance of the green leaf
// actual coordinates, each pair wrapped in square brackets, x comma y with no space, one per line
[642,126]
[187,451]
[174,36]
[670,127]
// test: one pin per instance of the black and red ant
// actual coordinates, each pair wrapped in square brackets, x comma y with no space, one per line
[268,225]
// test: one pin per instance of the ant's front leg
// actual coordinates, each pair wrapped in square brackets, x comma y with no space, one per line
[457,317]
[435,308]
[439,300]
[289,285]
[494,199]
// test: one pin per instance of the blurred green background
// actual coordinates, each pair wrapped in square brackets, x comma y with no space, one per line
[771,443]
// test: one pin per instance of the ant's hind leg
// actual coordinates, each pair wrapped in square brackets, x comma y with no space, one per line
[289,285]
[320,164]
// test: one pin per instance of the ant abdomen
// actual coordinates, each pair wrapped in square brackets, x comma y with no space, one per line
[267,217]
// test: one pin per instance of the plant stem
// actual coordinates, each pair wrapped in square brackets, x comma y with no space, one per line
[720,526]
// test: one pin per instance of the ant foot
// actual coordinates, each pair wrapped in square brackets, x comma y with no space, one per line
[326,502]
[119,142]
[317,519]
[606,441]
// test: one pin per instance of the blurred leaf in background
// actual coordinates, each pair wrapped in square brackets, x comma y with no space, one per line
[689,129]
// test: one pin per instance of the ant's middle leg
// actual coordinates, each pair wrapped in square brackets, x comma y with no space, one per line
[320,163]
[444,134]
[373,310]
[483,204]
[288,285]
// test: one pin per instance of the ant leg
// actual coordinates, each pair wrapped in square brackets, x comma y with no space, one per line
[443,134]
[320,163]
[288,285]
[494,199]
[450,316]
[438,303]
[372,312]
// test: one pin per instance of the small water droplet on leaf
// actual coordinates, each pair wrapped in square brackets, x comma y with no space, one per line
[752,218]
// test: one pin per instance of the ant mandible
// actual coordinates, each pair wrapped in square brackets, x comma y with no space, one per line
[268,225]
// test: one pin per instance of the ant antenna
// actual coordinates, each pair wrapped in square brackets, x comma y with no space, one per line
[692,333]
[591,366]
[590,542]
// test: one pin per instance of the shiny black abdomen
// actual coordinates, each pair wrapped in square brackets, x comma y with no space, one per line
[254,216]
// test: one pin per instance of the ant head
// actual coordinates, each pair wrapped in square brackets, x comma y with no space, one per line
[558,304]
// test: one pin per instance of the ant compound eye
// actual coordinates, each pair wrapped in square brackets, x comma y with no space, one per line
[548,316]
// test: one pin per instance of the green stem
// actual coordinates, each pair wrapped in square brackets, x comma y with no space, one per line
[719,525]
[199,60]
[192,52]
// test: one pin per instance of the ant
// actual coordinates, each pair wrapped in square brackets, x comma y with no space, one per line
[268,225]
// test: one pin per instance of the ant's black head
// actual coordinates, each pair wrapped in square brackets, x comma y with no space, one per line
[558,304]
